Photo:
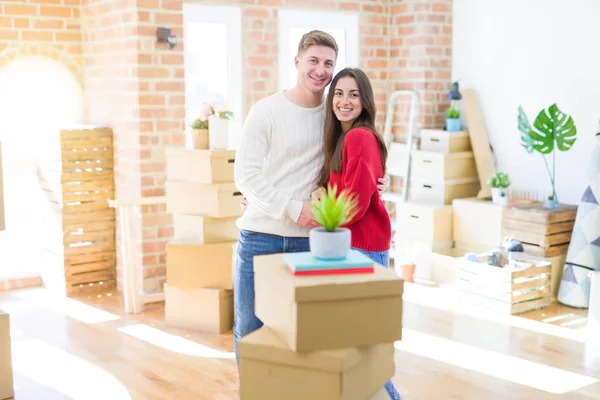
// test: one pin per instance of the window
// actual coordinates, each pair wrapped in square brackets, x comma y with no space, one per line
[212,37]
[293,24]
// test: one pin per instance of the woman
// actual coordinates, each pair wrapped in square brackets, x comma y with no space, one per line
[355,157]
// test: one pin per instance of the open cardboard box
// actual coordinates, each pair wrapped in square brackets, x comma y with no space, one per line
[311,313]
[270,370]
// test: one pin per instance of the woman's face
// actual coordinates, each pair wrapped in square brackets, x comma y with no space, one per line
[347,105]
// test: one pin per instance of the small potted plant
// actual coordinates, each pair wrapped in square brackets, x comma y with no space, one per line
[453,123]
[218,126]
[331,241]
[200,129]
[499,183]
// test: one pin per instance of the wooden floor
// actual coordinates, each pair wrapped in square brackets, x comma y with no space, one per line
[88,349]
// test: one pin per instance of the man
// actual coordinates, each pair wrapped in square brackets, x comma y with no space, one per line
[276,169]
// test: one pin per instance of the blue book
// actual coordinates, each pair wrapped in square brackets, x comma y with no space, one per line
[305,264]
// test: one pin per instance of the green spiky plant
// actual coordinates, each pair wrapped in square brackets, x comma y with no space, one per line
[332,210]
[499,180]
[453,113]
[552,129]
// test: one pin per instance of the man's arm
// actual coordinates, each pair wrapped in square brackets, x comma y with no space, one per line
[249,176]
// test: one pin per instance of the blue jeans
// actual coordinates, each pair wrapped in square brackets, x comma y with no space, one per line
[252,244]
[382,258]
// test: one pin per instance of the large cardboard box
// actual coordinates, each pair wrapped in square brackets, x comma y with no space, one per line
[193,266]
[200,166]
[477,222]
[445,142]
[2,221]
[211,200]
[312,313]
[205,230]
[440,166]
[270,370]
[207,310]
[442,192]
[6,373]
[424,221]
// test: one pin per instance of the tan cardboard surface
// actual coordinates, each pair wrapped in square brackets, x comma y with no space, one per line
[312,313]
[6,373]
[270,370]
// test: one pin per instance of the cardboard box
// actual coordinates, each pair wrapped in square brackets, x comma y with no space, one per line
[445,142]
[211,200]
[205,230]
[200,166]
[424,222]
[477,222]
[311,313]
[6,372]
[207,310]
[270,370]
[442,192]
[193,266]
[439,166]
[2,220]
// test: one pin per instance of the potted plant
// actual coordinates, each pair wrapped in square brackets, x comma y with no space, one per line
[453,123]
[200,129]
[552,129]
[499,182]
[218,126]
[331,241]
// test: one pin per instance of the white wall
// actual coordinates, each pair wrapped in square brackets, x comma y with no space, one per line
[533,53]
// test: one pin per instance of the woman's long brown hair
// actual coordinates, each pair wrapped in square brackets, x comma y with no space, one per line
[333,137]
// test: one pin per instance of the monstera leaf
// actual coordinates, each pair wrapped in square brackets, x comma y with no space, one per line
[552,125]
[525,128]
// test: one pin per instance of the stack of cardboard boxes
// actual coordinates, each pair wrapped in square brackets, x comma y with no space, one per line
[204,203]
[324,337]
[443,169]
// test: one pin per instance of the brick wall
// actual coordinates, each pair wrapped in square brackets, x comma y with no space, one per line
[49,28]
[136,85]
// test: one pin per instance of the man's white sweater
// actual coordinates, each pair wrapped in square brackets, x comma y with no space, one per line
[277,164]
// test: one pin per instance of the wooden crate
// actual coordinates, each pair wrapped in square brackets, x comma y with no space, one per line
[522,285]
[78,185]
[543,232]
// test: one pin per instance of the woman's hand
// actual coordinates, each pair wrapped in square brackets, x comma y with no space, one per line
[384,184]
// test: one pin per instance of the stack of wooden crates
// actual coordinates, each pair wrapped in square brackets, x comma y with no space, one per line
[544,233]
[204,203]
[441,170]
[78,181]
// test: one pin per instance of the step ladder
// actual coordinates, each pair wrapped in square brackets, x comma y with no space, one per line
[398,161]
[399,154]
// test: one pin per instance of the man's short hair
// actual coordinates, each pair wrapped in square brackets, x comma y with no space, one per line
[317,38]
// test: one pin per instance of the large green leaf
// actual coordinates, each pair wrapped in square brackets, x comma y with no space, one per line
[553,125]
[525,128]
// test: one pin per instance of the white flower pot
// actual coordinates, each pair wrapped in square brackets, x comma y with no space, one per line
[218,132]
[500,196]
[329,245]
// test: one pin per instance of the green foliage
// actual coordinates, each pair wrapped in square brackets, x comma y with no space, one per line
[332,210]
[225,115]
[550,126]
[499,180]
[551,129]
[199,124]
[453,113]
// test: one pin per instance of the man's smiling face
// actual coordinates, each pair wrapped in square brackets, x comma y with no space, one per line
[315,67]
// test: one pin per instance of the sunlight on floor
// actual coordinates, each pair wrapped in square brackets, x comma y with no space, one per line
[443,298]
[65,373]
[509,368]
[66,306]
[173,342]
